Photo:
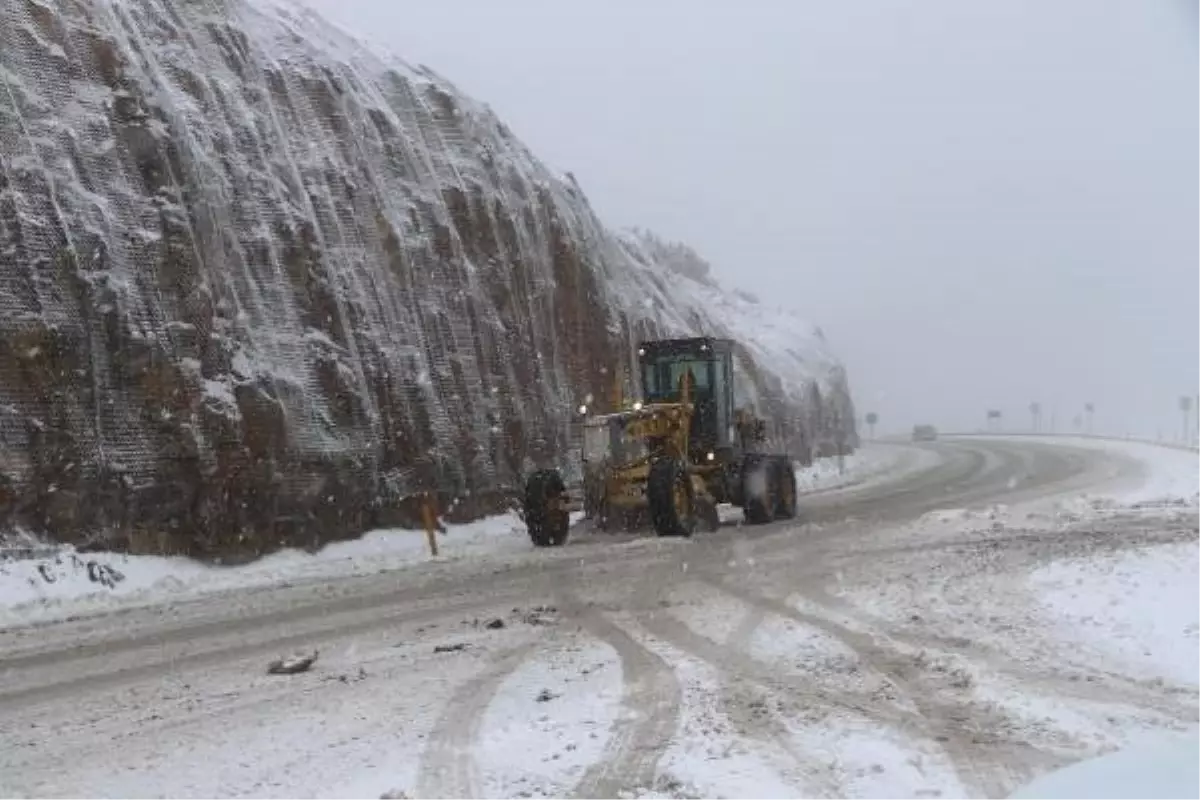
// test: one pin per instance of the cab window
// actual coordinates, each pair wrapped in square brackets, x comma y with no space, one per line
[661,378]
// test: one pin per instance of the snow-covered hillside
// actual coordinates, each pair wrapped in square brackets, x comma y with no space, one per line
[260,284]
[783,354]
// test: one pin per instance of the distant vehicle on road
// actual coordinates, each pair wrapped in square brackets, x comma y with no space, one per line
[924,433]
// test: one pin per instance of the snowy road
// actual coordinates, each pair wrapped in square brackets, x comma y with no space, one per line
[896,641]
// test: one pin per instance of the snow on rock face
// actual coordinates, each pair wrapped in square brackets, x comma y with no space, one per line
[259,285]
[786,368]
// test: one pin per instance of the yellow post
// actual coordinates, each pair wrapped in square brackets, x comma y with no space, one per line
[429,518]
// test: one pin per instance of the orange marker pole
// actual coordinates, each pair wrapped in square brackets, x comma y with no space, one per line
[429,518]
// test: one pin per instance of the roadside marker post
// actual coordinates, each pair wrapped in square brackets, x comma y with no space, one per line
[429,518]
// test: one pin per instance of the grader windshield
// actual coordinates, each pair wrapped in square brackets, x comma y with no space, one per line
[707,364]
[662,378]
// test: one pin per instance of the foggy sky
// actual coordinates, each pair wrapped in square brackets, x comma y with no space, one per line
[983,204]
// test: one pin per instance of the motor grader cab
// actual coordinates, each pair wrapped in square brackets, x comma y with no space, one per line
[727,447]
[675,454]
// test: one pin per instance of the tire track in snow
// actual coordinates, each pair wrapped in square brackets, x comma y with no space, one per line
[758,720]
[106,665]
[969,733]
[447,768]
[651,704]
[745,686]
[735,663]
[751,621]
[1087,683]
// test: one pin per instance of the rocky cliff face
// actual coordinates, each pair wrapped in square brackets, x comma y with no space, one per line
[259,286]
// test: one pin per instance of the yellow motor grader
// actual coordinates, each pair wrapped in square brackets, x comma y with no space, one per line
[673,456]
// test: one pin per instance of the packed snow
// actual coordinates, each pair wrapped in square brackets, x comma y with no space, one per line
[742,737]
[1136,608]
[1105,581]
[712,757]
[967,653]
[549,721]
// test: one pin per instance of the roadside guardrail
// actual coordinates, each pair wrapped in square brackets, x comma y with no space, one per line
[1195,448]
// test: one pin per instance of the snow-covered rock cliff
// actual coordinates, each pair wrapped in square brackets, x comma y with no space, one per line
[259,285]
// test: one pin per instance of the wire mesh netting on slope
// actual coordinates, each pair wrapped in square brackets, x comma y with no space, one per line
[259,285]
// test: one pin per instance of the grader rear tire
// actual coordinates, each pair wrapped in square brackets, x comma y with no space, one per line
[671,499]
[759,490]
[785,506]
[548,522]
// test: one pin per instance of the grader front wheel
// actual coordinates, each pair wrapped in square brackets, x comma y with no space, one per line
[671,499]
[759,490]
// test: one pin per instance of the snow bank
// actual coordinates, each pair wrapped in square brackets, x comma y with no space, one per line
[1158,765]
[866,465]
[1138,608]
[69,582]
[1171,474]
